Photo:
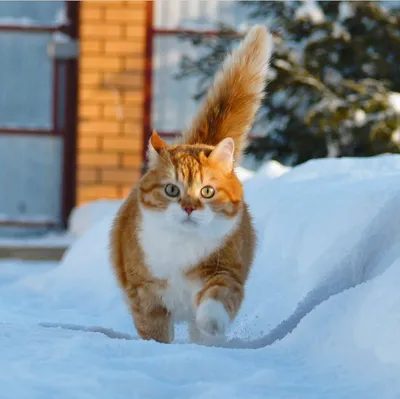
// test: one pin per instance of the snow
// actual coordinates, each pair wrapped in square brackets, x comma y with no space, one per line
[396,136]
[243,173]
[60,37]
[83,217]
[271,169]
[28,219]
[360,117]
[48,240]
[394,101]
[311,11]
[322,305]
[61,16]
[346,10]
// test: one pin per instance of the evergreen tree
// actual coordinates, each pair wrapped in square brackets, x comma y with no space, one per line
[333,83]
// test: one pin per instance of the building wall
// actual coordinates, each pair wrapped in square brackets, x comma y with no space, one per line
[111,95]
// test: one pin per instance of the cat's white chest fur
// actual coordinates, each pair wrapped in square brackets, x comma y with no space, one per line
[169,256]
[170,252]
[179,296]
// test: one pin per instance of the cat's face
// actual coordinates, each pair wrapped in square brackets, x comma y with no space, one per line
[192,188]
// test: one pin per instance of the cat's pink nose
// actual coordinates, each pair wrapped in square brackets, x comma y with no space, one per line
[188,209]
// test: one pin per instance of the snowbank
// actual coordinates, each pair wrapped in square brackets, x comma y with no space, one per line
[83,217]
[243,173]
[322,303]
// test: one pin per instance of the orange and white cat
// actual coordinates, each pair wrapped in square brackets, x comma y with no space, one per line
[182,243]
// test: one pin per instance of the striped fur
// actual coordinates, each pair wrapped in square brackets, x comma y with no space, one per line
[187,256]
[235,96]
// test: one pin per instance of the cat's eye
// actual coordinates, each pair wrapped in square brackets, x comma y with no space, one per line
[171,190]
[207,192]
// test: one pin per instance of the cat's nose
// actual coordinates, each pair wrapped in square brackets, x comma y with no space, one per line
[188,209]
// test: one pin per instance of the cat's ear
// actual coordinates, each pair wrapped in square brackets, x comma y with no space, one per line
[156,145]
[222,154]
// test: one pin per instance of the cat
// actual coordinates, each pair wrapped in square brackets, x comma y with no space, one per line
[183,242]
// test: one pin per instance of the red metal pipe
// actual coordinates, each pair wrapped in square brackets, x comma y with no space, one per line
[175,32]
[148,81]
[55,99]
[33,28]
[31,132]
[71,118]
[202,32]
[26,223]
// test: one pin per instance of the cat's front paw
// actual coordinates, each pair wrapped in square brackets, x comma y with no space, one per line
[211,318]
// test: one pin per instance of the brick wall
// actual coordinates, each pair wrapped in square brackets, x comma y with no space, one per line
[111,97]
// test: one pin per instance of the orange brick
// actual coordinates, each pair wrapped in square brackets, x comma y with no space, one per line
[91,46]
[124,81]
[93,13]
[132,13]
[131,161]
[139,81]
[99,127]
[88,175]
[94,111]
[90,79]
[111,112]
[97,96]
[134,114]
[116,13]
[88,143]
[125,144]
[136,31]
[95,4]
[120,3]
[102,159]
[101,30]
[122,47]
[97,191]
[115,3]
[131,113]
[134,63]
[100,63]
[134,98]
[131,82]
[119,175]
[138,50]
[132,128]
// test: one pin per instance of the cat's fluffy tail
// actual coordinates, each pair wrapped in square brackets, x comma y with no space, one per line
[235,95]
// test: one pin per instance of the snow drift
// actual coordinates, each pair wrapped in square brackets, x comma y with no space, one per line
[322,303]
[83,217]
